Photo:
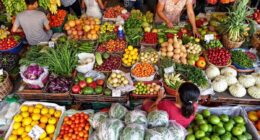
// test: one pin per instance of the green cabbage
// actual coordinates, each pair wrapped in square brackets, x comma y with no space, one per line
[158,118]
[136,116]
[110,129]
[133,132]
[117,111]
[98,118]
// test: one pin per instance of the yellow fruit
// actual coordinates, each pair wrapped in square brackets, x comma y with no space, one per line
[135,50]
[36,117]
[44,111]
[44,134]
[52,120]
[27,121]
[28,128]
[14,132]
[20,131]
[130,48]
[51,111]
[51,135]
[18,118]
[34,123]
[42,125]
[24,108]
[12,137]
[40,106]
[24,134]
[252,116]
[27,138]
[44,119]
[47,138]
[50,129]
[31,108]
[16,125]
[25,114]
[132,53]
[48,115]
[36,110]
[57,113]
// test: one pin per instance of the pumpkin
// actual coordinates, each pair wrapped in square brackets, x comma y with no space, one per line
[212,2]
[224,1]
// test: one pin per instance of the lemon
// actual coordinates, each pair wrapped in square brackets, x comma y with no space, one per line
[28,128]
[43,135]
[57,113]
[27,138]
[40,106]
[30,109]
[44,111]
[36,117]
[16,125]
[34,123]
[135,50]
[134,57]
[47,138]
[25,114]
[12,137]
[42,125]
[132,53]
[50,128]
[14,132]
[20,131]
[52,120]
[51,111]
[27,121]
[130,48]
[44,119]
[18,118]
[24,108]
[24,134]
[36,110]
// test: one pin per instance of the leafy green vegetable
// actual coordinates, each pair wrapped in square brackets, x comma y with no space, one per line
[133,30]
[240,58]
[165,62]
[106,37]
[14,7]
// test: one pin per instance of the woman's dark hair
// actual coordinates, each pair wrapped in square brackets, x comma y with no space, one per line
[30,2]
[188,93]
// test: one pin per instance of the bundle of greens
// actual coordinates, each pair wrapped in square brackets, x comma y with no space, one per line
[133,30]
[241,59]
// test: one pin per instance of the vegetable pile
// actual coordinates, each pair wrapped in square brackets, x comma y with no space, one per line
[56,20]
[33,72]
[149,56]
[241,59]
[150,38]
[256,16]
[219,56]
[107,27]
[14,7]
[112,46]
[4,32]
[8,43]
[143,70]
[213,44]
[8,61]
[87,86]
[113,62]
[58,84]
[113,12]
[146,88]
[173,80]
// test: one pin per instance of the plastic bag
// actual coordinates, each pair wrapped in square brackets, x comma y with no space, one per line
[177,131]
[117,111]
[110,130]
[133,132]
[85,67]
[38,83]
[8,110]
[158,118]
[95,74]
[98,118]
[93,136]
[160,133]
[136,116]
[153,134]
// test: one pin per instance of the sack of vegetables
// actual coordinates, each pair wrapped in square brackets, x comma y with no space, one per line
[133,132]
[110,130]
[34,75]
[136,116]
[157,118]
[117,111]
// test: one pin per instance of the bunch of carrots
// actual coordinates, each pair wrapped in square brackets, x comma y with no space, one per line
[143,70]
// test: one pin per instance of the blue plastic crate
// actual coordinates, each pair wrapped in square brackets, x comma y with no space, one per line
[15,49]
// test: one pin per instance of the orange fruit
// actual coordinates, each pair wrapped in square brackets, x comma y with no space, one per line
[252,116]
[258,125]
[258,114]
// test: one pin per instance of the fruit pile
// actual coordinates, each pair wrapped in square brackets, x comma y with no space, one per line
[109,64]
[8,61]
[149,56]
[219,56]
[147,89]
[112,46]
[87,86]
[143,70]
[107,27]
[214,44]
[83,28]
[56,20]
[256,16]
[130,56]
[117,79]
[113,12]
[254,117]
[150,38]
[8,43]
[193,48]
[29,116]
[75,127]
[208,126]
[4,32]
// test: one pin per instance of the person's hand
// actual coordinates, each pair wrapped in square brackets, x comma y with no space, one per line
[169,24]
[161,94]
[196,33]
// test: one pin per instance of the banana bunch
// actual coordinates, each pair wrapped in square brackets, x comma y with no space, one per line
[4,32]
[14,6]
[53,6]
[173,80]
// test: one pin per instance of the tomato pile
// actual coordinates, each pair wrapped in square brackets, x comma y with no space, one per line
[57,20]
[143,70]
[219,56]
[75,127]
[150,38]
[111,46]
[8,43]
[112,63]
[256,16]
[113,12]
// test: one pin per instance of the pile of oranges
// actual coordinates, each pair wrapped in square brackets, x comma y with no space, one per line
[29,116]
[254,116]
[143,70]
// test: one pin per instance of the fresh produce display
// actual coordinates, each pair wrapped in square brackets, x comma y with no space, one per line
[8,43]
[165,63]
[117,80]
[104,37]
[83,28]
[4,32]
[241,59]
[107,27]
[76,126]
[256,16]
[29,116]
[88,47]
[52,5]
[58,84]
[149,56]
[8,61]
[113,62]
[112,46]
[213,44]
[113,12]
[174,49]
[87,86]
[150,38]
[193,48]
[219,56]
[147,88]
[254,117]
[13,7]
[210,126]
[56,20]
[33,72]
[173,80]
[143,70]
[130,56]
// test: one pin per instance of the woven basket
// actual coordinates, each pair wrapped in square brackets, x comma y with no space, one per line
[231,44]
[255,41]
[6,86]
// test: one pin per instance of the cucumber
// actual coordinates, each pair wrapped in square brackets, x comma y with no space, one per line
[99,58]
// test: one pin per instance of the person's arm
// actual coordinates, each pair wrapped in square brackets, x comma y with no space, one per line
[159,10]
[16,26]
[160,96]
[46,23]
[192,19]
[100,4]
[83,5]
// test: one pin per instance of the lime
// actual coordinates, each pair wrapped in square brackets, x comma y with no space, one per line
[206,113]
[220,130]
[190,137]
[189,130]
[226,136]
[228,126]
[242,126]
[224,118]
[204,127]
[201,122]
[199,134]
[248,136]
[209,128]
[214,119]
[198,117]
[205,138]
[214,137]
[237,131]
[239,119]
[232,121]
[220,124]
[242,137]
[234,138]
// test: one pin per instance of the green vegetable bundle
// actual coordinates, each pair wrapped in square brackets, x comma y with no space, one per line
[88,47]
[13,7]
[106,37]
[133,30]
[241,59]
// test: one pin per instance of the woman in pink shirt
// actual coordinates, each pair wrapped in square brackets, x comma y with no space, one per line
[183,110]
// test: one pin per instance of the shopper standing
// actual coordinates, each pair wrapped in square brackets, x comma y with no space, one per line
[93,8]
[72,5]
[34,23]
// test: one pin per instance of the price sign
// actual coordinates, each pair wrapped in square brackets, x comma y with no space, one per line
[209,37]
[51,44]
[36,132]
[1,72]
[116,93]
[169,70]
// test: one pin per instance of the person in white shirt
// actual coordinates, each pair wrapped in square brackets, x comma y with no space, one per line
[93,7]
[72,5]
